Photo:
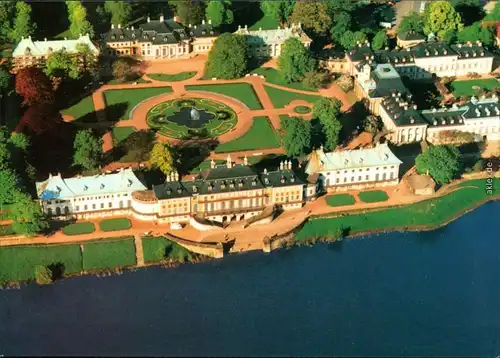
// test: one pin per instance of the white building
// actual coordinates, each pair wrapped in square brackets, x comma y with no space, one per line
[355,169]
[89,196]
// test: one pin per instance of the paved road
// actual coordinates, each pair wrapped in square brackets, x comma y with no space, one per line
[404,7]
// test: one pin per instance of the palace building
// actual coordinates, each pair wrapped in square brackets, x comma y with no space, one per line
[354,169]
[34,53]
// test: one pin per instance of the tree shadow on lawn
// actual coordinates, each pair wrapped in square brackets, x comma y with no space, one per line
[111,114]
[191,154]
[56,225]
[245,13]
[351,120]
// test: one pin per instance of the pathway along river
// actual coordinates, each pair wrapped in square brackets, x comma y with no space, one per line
[418,294]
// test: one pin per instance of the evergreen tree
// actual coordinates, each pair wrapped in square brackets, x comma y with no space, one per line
[77,14]
[327,111]
[23,25]
[7,16]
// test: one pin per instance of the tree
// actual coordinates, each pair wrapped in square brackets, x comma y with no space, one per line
[121,11]
[380,40]
[345,82]
[411,22]
[43,275]
[88,150]
[296,137]
[77,14]
[34,86]
[228,57]
[295,61]
[372,124]
[476,32]
[314,79]
[124,70]
[7,15]
[441,162]
[327,110]
[87,59]
[27,216]
[278,10]
[314,16]
[161,157]
[341,25]
[23,25]
[350,39]
[439,17]
[5,81]
[190,12]
[138,145]
[62,64]
[9,182]
[470,10]
[219,12]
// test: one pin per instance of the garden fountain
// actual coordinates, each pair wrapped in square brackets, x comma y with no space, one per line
[194,114]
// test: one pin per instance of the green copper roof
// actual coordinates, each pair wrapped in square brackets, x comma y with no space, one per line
[43,48]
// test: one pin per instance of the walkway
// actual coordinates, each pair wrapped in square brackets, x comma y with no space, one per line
[139,253]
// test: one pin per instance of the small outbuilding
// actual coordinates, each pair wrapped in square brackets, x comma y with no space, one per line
[421,184]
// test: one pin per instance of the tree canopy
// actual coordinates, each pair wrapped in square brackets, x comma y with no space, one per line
[62,64]
[380,40]
[349,39]
[341,25]
[296,139]
[440,17]
[441,162]
[121,11]
[219,12]
[161,157]
[228,57]
[411,22]
[27,215]
[7,17]
[34,86]
[77,14]
[327,110]
[190,12]
[279,10]
[476,32]
[88,150]
[23,25]
[5,81]
[314,16]
[294,61]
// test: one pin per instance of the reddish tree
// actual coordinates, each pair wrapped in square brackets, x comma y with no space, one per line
[34,86]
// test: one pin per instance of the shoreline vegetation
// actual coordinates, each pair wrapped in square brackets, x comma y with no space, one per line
[68,260]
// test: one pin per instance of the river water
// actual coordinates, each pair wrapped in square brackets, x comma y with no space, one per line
[432,293]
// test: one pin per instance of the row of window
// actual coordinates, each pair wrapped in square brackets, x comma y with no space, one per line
[360,179]
[360,170]
[86,207]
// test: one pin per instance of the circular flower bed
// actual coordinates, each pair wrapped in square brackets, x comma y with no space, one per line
[302,109]
[193,118]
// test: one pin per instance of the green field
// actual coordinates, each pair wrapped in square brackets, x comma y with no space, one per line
[81,109]
[119,103]
[464,88]
[109,254]
[260,136]
[266,23]
[430,212]
[79,228]
[281,98]
[168,78]
[373,196]
[17,263]
[340,200]
[273,76]
[157,249]
[121,133]
[241,91]
[115,224]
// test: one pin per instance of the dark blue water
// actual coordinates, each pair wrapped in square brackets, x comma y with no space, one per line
[435,293]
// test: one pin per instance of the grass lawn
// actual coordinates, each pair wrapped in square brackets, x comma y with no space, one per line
[464,88]
[62,35]
[241,91]
[109,254]
[272,76]
[373,196]
[266,23]
[121,133]
[18,263]
[340,200]
[80,109]
[281,98]
[429,212]
[115,224]
[260,136]
[206,165]
[176,77]
[125,99]
[79,228]
[157,249]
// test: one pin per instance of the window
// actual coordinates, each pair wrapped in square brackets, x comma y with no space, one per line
[102,205]
[93,206]
[77,208]
[367,177]
[85,207]
[110,205]
[359,178]
[352,178]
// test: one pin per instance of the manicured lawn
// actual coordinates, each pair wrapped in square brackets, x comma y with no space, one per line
[109,254]
[81,109]
[18,263]
[121,133]
[119,103]
[167,78]
[429,212]
[260,136]
[115,224]
[272,76]
[157,249]
[240,91]
[79,228]
[302,109]
[373,196]
[340,200]
[281,98]
[464,88]
[266,23]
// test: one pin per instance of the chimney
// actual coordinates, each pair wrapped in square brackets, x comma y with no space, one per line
[281,165]
[45,39]
[229,163]
[149,19]
[209,22]
[119,26]
[112,26]
[290,164]
[162,19]
[176,176]
[245,160]
[203,22]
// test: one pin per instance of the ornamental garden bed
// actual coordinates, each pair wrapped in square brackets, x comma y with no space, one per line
[109,254]
[243,92]
[115,224]
[340,200]
[281,98]
[79,228]
[182,76]
[158,249]
[193,118]
[373,196]
[302,109]
[260,136]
